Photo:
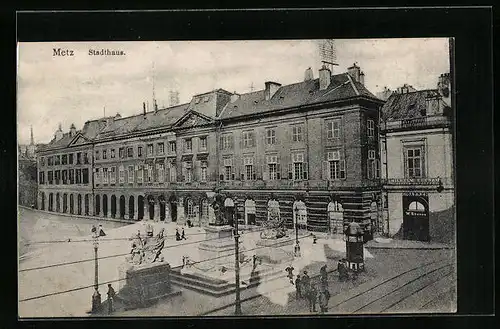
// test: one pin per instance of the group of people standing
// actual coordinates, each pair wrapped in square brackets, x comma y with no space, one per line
[312,292]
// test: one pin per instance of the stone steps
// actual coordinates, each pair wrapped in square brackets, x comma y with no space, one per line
[217,287]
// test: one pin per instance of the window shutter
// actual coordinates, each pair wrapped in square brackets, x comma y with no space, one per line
[405,163]
[290,171]
[306,171]
[342,169]
[253,138]
[243,173]
[278,171]
[231,142]
[325,170]
[197,170]
[422,157]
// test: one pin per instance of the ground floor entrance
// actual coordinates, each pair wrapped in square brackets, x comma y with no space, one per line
[416,218]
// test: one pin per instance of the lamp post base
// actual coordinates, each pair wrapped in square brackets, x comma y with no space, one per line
[296,250]
[96,301]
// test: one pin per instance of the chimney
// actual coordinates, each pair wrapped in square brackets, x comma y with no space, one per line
[144,108]
[355,72]
[235,97]
[325,77]
[117,116]
[72,130]
[362,78]
[308,75]
[155,105]
[271,89]
[59,133]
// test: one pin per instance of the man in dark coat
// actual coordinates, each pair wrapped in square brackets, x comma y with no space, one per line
[312,297]
[183,236]
[305,280]
[177,235]
[323,277]
[298,287]
[289,270]
[324,297]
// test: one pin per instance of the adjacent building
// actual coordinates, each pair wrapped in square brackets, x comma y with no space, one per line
[308,151]
[417,167]
[27,173]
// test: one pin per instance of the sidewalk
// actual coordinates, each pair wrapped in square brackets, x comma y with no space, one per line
[383,243]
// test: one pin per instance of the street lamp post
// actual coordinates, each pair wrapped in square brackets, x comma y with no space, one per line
[96,297]
[297,245]
[237,310]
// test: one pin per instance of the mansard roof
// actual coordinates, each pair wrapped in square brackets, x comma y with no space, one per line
[407,105]
[342,86]
[162,118]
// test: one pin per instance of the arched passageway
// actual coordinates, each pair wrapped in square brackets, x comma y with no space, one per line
[122,207]
[105,205]
[131,207]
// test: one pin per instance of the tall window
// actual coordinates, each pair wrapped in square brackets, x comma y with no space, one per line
[85,174]
[72,176]
[112,154]
[64,177]
[122,175]
[203,171]
[335,166]
[226,142]
[57,176]
[41,178]
[150,150]
[161,172]
[188,145]
[139,151]
[371,128]
[112,175]
[273,168]
[104,154]
[121,152]
[78,176]
[271,136]
[414,162]
[297,133]
[50,177]
[248,139]
[228,169]
[70,161]
[172,171]
[149,168]
[97,156]
[131,174]
[249,168]
[333,129]
[64,159]
[298,167]
[373,165]
[58,160]
[188,171]
[130,151]
[42,161]
[86,158]
[161,148]
[190,208]
[140,174]
[203,143]
[97,175]
[172,147]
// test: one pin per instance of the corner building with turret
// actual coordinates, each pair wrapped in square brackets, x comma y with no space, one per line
[308,150]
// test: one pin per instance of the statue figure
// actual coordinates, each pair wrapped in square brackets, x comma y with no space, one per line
[218,208]
[147,250]
[274,227]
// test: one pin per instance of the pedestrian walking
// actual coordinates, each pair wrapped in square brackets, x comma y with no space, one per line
[324,297]
[342,269]
[305,280]
[312,297]
[93,230]
[289,270]
[183,236]
[101,231]
[323,277]
[314,238]
[298,287]
[111,298]
[177,235]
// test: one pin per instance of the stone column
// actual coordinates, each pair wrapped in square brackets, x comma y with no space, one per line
[181,219]
[136,207]
[157,211]
[109,206]
[91,205]
[125,216]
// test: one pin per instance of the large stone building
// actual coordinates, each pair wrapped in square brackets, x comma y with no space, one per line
[417,163]
[308,150]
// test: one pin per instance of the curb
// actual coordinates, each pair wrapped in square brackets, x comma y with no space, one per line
[124,221]
[411,248]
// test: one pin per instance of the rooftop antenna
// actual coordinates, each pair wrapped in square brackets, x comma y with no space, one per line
[32,140]
[155,106]
[328,53]
[104,109]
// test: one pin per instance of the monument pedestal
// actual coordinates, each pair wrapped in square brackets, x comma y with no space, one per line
[271,251]
[142,285]
[219,246]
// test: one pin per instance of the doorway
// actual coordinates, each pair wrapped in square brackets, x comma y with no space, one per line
[122,207]
[416,218]
[140,207]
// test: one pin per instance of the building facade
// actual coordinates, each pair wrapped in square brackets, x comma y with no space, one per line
[417,167]
[307,151]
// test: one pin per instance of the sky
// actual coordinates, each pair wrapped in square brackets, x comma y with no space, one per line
[53,90]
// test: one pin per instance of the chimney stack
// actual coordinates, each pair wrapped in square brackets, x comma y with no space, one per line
[362,78]
[72,130]
[355,72]
[235,97]
[325,77]
[144,108]
[308,75]
[59,133]
[271,89]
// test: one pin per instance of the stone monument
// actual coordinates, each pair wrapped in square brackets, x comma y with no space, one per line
[272,239]
[144,277]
